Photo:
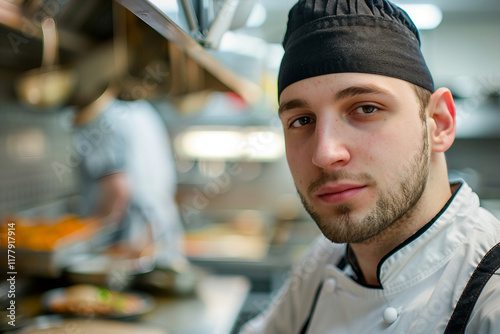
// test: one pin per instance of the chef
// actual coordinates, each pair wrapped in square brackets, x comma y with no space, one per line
[403,250]
[128,177]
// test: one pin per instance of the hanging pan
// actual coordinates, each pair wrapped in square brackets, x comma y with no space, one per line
[51,85]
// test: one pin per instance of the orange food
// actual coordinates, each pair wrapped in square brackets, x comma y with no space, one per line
[44,234]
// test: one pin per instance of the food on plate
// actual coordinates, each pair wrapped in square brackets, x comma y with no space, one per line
[91,300]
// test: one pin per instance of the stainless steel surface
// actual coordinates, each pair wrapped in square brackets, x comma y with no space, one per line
[221,24]
[49,324]
[214,309]
[191,15]
[154,17]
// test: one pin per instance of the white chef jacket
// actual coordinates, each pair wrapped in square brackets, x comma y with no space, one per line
[422,281]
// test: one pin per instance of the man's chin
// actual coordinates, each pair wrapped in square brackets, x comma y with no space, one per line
[349,237]
[347,225]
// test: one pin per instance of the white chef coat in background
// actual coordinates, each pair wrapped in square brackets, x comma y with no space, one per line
[131,137]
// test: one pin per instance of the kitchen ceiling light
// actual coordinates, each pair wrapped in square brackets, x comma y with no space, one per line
[425,16]
[210,145]
[231,143]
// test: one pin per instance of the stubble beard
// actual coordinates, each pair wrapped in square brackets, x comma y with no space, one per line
[395,204]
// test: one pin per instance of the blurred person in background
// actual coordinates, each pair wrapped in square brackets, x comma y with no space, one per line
[128,177]
[403,250]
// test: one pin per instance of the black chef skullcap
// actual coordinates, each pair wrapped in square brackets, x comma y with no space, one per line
[362,36]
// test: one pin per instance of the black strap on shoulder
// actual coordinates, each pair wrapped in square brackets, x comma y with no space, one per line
[305,327]
[485,269]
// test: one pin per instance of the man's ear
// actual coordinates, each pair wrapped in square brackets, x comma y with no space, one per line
[441,118]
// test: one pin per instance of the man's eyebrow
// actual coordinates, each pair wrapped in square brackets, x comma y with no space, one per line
[359,90]
[292,104]
[340,95]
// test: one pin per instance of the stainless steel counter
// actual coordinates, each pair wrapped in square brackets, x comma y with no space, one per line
[212,309]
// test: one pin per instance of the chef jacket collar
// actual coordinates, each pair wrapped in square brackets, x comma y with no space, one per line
[434,244]
[426,247]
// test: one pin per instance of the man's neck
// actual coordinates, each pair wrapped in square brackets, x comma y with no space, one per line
[369,253]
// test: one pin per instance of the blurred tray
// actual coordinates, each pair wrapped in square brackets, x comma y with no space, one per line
[51,263]
[67,250]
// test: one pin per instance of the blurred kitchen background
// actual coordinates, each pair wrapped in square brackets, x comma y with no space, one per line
[209,67]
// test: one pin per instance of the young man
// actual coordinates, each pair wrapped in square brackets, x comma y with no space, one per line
[365,135]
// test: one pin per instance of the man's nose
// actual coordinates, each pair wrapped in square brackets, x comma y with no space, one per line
[330,150]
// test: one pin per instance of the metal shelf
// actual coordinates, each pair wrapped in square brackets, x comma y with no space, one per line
[172,30]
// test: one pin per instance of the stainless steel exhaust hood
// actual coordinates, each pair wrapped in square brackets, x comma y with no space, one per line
[176,21]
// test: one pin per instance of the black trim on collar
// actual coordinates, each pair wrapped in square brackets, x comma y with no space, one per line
[353,261]
[343,261]
[349,258]
[305,326]
[419,232]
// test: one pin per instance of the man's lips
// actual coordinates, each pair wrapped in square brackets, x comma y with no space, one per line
[338,193]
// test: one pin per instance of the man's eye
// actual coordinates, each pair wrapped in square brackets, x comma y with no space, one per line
[365,110]
[299,122]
